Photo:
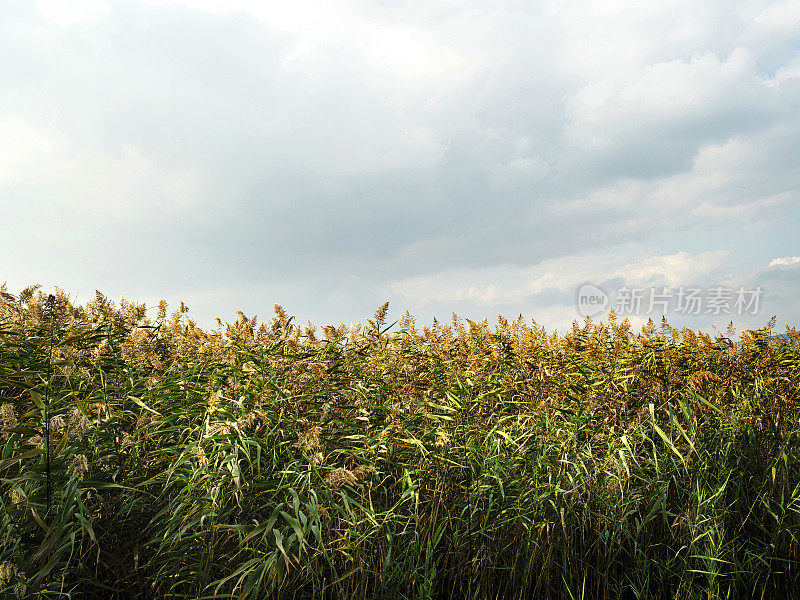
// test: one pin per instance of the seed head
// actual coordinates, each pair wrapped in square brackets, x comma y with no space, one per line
[79,466]
[8,419]
[341,476]
[78,423]
[17,497]
[309,441]
[57,424]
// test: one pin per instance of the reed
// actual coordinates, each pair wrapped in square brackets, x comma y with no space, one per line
[153,459]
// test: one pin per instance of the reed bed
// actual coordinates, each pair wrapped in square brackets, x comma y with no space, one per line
[152,459]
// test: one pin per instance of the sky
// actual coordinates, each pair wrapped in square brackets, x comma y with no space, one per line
[479,157]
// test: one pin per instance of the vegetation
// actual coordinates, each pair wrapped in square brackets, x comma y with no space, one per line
[155,460]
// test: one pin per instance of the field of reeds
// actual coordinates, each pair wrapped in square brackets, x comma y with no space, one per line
[147,458]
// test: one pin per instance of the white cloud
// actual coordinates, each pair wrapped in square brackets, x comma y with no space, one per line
[672,270]
[404,63]
[726,181]
[612,107]
[506,284]
[617,195]
[609,39]
[517,173]
[788,72]
[417,149]
[72,12]
[786,260]
[782,15]
[23,148]
[41,162]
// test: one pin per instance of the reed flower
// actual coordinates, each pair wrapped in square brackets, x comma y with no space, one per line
[78,424]
[213,400]
[442,439]
[17,497]
[57,424]
[8,419]
[361,472]
[218,428]
[309,441]
[538,476]
[103,410]
[341,476]
[79,466]
[7,571]
[202,459]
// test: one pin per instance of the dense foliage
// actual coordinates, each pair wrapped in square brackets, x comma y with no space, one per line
[155,460]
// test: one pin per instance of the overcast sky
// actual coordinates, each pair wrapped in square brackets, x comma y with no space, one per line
[477,157]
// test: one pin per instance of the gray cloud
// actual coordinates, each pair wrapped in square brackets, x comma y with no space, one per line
[325,157]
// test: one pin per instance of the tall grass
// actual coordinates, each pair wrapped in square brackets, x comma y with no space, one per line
[155,460]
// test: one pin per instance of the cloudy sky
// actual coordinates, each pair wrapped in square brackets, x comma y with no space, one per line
[478,157]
